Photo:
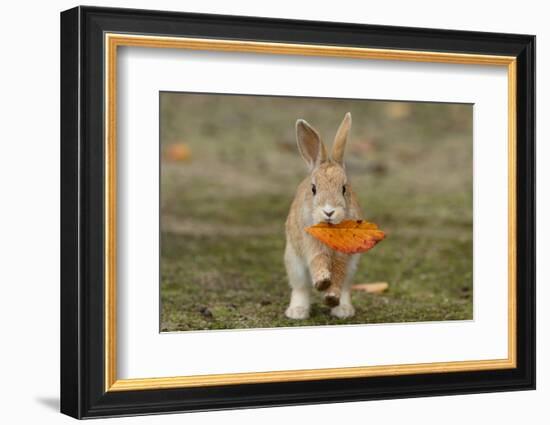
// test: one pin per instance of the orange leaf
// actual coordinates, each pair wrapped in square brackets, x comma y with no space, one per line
[349,236]
[177,152]
[374,288]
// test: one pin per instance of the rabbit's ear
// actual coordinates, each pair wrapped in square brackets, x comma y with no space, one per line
[310,145]
[340,139]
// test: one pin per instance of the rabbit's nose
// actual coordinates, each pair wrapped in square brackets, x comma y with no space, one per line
[328,213]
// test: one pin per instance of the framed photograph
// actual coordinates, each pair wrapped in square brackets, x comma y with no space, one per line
[261,212]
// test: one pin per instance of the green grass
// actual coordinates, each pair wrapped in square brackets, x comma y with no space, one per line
[223,212]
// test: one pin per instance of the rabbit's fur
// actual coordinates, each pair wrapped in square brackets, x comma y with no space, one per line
[324,195]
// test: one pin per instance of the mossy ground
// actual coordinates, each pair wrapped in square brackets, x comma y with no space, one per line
[223,211]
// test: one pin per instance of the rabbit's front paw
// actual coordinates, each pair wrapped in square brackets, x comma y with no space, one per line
[297,312]
[322,284]
[322,280]
[343,311]
[331,298]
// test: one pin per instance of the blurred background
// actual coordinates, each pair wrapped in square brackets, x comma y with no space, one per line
[229,170]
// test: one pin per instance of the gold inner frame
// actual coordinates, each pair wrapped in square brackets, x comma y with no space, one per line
[113,41]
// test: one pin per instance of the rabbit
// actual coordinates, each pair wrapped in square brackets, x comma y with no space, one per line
[325,195]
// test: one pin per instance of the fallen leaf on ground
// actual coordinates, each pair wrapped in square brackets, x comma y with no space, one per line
[373,288]
[177,152]
[349,236]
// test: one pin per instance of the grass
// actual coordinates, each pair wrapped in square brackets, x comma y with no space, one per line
[223,212]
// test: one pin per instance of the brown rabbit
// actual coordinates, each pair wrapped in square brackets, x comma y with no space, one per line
[324,195]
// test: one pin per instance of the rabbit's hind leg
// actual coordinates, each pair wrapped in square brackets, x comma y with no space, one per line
[298,280]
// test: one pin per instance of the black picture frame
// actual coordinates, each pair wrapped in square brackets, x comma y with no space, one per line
[83,392]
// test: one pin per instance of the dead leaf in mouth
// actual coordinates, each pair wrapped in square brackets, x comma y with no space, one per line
[348,236]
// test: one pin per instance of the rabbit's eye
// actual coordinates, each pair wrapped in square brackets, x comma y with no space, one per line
[344,190]
[313,189]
